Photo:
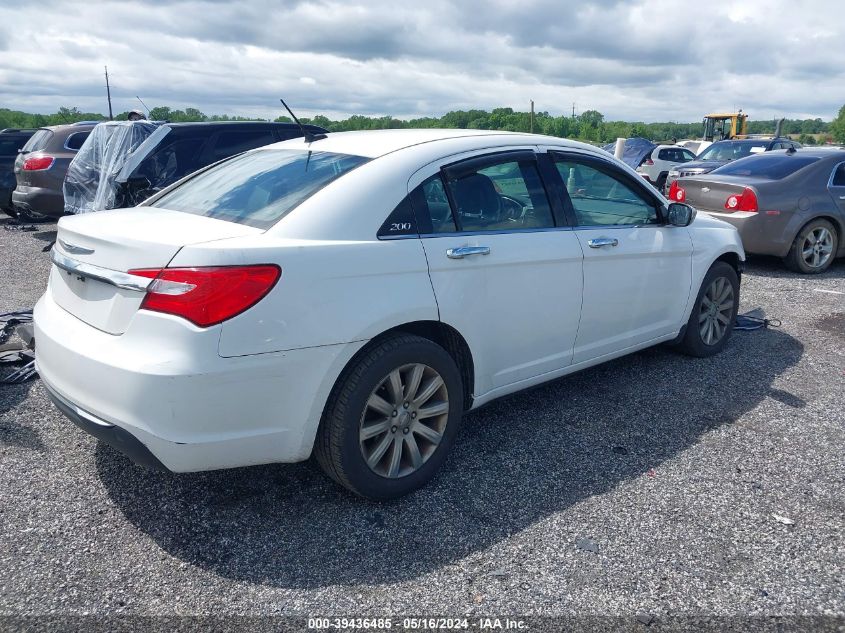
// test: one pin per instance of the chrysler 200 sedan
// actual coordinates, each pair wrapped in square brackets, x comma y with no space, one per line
[353,296]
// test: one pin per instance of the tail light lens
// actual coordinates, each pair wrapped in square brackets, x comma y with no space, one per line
[209,295]
[745,201]
[677,193]
[648,162]
[39,162]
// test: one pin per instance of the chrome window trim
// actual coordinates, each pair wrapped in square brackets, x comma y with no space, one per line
[111,277]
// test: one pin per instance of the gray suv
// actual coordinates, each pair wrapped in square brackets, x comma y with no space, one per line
[40,170]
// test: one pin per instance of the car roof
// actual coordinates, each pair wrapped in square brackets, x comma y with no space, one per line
[376,143]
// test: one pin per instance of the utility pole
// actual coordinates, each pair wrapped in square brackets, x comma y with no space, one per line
[532,116]
[108,94]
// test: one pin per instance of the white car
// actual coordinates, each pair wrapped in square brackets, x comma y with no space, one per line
[655,167]
[355,295]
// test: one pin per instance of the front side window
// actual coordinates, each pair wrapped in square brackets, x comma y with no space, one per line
[501,197]
[237,141]
[258,188]
[601,199]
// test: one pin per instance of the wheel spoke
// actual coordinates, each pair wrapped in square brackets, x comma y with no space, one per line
[394,384]
[373,430]
[725,294]
[429,390]
[811,238]
[703,329]
[722,318]
[822,236]
[413,451]
[395,457]
[378,453]
[381,405]
[414,382]
[433,410]
[428,433]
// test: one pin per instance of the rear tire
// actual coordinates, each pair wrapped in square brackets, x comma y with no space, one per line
[713,315]
[661,183]
[814,248]
[369,441]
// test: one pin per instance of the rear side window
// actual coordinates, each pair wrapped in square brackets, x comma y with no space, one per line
[38,141]
[772,166]
[237,141]
[675,155]
[258,188]
[839,176]
[75,141]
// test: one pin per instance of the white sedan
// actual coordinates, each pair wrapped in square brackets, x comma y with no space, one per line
[355,295]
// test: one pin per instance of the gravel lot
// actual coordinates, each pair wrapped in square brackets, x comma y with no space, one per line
[648,485]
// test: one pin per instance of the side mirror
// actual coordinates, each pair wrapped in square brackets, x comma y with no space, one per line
[679,214]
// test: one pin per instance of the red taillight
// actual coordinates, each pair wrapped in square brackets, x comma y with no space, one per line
[209,295]
[648,162]
[677,193]
[745,201]
[38,163]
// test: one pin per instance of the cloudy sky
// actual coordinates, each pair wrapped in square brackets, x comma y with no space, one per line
[654,60]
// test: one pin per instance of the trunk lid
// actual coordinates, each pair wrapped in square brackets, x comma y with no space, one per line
[710,194]
[93,249]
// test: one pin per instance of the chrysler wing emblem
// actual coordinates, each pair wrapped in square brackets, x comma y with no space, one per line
[705,189]
[76,250]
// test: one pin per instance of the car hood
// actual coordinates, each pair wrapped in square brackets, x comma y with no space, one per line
[704,165]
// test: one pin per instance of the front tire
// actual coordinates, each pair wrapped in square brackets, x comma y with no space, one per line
[712,320]
[814,248]
[391,418]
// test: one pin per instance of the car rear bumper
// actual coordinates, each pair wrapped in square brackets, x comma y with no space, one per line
[38,201]
[761,233]
[166,405]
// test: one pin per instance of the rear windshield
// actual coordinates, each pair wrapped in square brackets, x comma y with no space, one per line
[38,141]
[260,187]
[772,166]
[725,151]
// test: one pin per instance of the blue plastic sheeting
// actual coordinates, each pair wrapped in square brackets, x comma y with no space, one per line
[635,150]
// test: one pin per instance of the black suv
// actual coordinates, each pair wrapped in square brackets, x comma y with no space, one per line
[167,153]
[11,140]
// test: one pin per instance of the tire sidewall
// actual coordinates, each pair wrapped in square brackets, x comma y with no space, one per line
[693,342]
[365,481]
[797,262]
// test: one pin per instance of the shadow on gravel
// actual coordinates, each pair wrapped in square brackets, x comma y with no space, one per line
[12,433]
[516,462]
[765,266]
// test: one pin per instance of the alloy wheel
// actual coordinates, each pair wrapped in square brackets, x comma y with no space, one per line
[817,248]
[716,311]
[404,420]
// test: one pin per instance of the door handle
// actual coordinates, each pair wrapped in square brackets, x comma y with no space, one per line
[842,197]
[464,251]
[598,242]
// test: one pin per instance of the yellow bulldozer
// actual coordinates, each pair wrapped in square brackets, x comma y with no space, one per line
[720,126]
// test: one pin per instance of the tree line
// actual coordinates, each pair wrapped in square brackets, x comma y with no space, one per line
[588,126]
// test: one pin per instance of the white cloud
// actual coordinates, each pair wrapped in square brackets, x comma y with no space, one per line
[657,60]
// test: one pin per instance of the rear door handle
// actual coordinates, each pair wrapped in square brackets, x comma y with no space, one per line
[598,242]
[464,251]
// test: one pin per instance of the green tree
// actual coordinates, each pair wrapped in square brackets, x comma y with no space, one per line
[837,127]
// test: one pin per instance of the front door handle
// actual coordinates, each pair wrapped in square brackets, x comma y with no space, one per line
[602,241]
[464,251]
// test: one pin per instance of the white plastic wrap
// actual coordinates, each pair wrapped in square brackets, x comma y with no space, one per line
[90,181]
